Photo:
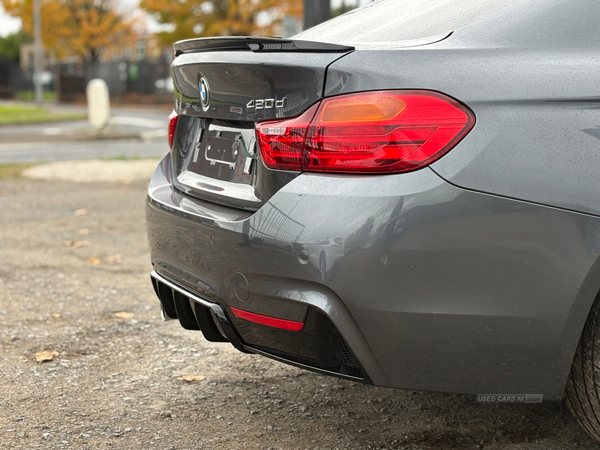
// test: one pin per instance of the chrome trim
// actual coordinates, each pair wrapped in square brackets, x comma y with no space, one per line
[172,285]
[163,314]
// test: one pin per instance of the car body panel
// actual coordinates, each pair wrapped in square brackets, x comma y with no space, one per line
[402,23]
[445,297]
[474,275]
[534,89]
[238,77]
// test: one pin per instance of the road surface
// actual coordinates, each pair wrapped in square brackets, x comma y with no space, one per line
[134,132]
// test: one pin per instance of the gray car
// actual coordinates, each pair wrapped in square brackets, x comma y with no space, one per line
[406,196]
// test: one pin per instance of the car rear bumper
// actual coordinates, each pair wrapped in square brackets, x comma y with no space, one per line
[317,346]
[434,288]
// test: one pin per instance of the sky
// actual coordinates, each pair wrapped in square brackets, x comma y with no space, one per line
[9,25]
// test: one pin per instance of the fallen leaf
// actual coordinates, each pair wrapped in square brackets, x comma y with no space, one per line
[83,231]
[93,261]
[81,212]
[46,355]
[190,378]
[114,259]
[77,244]
[55,315]
[124,315]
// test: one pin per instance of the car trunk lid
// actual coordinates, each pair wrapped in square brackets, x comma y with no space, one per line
[223,87]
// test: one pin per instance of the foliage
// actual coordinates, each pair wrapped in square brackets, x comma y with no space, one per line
[9,46]
[13,171]
[75,27]
[49,96]
[342,9]
[198,18]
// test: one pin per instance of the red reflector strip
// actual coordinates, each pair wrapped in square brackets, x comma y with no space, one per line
[283,324]
[173,118]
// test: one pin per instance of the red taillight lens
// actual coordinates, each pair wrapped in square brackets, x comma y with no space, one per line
[371,132]
[282,141]
[384,132]
[173,118]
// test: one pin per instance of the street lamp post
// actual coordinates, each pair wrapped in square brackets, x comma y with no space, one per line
[315,12]
[37,35]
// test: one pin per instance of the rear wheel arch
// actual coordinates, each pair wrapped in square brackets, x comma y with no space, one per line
[582,390]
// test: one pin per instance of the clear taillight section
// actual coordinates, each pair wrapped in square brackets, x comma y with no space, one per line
[173,118]
[282,141]
[370,132]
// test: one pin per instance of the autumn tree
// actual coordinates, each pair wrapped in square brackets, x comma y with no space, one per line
[199,18]
[75,27]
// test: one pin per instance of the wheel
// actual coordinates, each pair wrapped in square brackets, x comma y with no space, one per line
[583,385]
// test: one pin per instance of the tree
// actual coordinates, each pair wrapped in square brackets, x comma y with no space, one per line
[198,18]
[9,46]
[342,9]
[75,27]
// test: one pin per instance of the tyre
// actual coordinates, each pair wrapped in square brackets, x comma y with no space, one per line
[583,385]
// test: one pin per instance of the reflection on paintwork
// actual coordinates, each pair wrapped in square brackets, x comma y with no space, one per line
[272,227]
[324,254]
[237,79]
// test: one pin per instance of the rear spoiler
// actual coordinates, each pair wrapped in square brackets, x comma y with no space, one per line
[256,44]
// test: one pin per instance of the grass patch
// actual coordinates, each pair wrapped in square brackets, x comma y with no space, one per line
[123,158]
[13,171]
[30,95]
[15,114]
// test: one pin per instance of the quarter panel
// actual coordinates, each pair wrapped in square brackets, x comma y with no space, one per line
[535,91]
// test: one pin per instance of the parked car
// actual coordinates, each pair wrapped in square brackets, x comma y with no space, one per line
[444,156]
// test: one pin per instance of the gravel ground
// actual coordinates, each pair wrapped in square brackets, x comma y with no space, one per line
[94,170]
[74,283]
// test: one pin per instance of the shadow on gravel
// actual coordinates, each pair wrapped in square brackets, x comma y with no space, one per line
[312,411]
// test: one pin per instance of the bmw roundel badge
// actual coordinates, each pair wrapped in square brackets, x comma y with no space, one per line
[204,93]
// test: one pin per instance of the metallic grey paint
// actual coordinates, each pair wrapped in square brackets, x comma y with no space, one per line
[236,78]
[452,290]
[474,275]
[534,88]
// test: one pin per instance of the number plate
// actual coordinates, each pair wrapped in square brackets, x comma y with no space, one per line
[224,154]
[222,147]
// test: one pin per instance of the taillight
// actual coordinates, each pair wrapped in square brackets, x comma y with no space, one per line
[370,132]
[282,141]
[173,118]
